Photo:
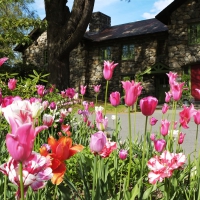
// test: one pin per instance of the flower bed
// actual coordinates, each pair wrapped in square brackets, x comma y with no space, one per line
[47,152]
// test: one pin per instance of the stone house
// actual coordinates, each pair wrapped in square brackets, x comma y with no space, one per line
[169,42]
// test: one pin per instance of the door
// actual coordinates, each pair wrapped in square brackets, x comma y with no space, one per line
[161,86]
[195,81]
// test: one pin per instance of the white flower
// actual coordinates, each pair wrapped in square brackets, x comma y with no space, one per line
[113,117]
[37,109]
[98,108]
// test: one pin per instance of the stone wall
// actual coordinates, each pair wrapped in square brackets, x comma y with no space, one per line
[146,55]
[180,52]
[34,54]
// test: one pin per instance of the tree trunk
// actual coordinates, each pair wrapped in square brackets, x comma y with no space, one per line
[64,32]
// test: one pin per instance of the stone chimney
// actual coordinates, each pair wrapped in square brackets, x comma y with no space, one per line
[99,22]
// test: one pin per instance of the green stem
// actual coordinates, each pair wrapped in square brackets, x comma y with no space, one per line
[106,95]
[55,192]
[196,139]
[5,187]
[94,177]
[130,147]
[21,180]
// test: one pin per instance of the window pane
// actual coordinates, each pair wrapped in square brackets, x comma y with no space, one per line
[194,33]
[106,53]
[127,52]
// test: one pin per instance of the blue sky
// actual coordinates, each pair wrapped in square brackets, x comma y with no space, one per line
[120,11]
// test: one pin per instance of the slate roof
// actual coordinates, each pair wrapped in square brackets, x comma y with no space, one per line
[164,15]
[128,30]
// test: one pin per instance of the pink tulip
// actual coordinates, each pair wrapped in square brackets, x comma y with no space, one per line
[123,154]
[148,105]
[8,100]
[36,172]
[97,88]
[12,84]
[108,69]
[40,90]
[97,141]
[132,91]
[52,105]
[3,60]
[172,77]
[167,96]
[159,145]
[115,98]
[108,149]
[181,138]
[152,137]
[185,115]
[197,117]
[165,108]
[47,120]
[176,90]
[164,127]
[70,92]
[83,89]
[152,121]
[21,140]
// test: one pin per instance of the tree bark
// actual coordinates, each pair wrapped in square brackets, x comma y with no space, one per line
[64,32]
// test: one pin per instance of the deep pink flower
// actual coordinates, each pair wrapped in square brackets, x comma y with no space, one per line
[148,105]
[123,154]
[185,115]
[165,108]
[8,100]
[70,92]
[3,60]
[196,116]
[108,149]
[152,121]
[97,88]
[97,141]
[40,90]
[176,90]
[108,69]
[83,89]
[163,166]
[181,138]
[164,127]
[52,105]
[159,145]
[12,84]
[132,91]
[152,137]
[168,96]
[21,139]
[36,172]
[115,98]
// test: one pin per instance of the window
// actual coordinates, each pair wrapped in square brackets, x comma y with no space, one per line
[194,33]
[45,56]
[128,52]
[105,53]
[161,48]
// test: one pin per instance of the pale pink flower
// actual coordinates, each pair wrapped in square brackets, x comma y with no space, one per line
[36,172]
[163,166]
[172,77]
[168,96]
[176,90]
[197,117]
[123,154]
[83,89]
[152,137]
[108,69]
[47,120]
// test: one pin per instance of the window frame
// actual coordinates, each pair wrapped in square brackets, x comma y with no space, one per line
[196,39]
[130,52]
[105,53]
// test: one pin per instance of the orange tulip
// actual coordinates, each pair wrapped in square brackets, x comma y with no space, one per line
[61,150]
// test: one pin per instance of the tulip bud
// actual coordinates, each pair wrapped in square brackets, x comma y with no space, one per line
[123,154]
